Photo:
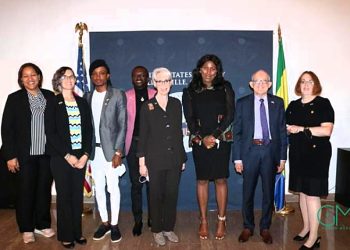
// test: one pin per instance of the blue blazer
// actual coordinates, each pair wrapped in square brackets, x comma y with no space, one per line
[243,128]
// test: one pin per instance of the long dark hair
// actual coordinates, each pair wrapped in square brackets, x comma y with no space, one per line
[196,83]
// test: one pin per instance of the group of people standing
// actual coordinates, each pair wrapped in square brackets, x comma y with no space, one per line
[47,136]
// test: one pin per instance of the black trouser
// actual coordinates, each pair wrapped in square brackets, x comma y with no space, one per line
[69,186]
[164,189]
[34,181]
[136,186]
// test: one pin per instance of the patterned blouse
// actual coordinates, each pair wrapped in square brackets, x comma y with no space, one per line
[74,124]
[38,139]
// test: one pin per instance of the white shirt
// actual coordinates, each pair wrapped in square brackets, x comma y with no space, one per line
[96,107]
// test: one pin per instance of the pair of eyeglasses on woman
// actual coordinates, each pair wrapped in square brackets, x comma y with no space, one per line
[163,82]
[64,77]
[310,82]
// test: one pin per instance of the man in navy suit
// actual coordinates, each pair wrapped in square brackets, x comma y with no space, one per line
[259,149]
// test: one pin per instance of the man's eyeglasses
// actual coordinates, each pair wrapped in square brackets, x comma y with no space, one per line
[163,82]
[259,82]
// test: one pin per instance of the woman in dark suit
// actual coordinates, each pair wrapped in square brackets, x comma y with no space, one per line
[162,155]
[69,134]
[23,147]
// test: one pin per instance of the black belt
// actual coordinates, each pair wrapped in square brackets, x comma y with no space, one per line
[98,145]
[260,142]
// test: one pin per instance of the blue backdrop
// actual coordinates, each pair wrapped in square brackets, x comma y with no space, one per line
[241,52]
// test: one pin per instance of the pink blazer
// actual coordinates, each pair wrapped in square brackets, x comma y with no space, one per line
[131,113]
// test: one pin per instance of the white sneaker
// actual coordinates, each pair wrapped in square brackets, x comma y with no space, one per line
[47,232]
[171,236]
[28,237]
[159,238]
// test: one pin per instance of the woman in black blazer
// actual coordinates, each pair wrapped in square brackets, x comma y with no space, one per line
[23,147]
[162,155]
[69,135]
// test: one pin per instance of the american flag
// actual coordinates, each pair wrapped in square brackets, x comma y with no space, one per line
[81,87]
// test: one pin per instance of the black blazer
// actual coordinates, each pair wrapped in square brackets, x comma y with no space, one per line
[161,139]
[57,127]
[16,125]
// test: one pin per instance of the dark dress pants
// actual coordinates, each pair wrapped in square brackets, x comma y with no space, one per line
[136,186]
[164,189]
[69,186]
[259,163]
[34,181]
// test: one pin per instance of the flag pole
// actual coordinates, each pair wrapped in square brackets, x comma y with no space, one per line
[287,209]
[81,27]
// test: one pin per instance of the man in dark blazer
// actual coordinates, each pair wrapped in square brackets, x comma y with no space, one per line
[108,107]
[259,149]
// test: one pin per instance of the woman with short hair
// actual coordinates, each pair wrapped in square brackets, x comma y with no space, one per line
[162,155]
[310,122]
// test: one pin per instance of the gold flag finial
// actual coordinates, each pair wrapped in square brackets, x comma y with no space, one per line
[81,27]
[279,33]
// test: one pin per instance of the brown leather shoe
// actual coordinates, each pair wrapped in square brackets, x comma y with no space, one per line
[244,236]
[266,236]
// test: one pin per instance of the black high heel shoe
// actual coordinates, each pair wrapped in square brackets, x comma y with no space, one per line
[301,238]
[315,245]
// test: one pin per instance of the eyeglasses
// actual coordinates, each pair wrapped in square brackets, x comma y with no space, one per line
[310,82]
[163,82]
[260,82]
[64,77]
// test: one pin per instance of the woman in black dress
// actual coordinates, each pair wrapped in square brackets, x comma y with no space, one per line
[208,104]
[310,123]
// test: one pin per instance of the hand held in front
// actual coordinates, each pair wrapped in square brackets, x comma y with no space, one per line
[71,159]
[239,168]
[81,162]
[13,165]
